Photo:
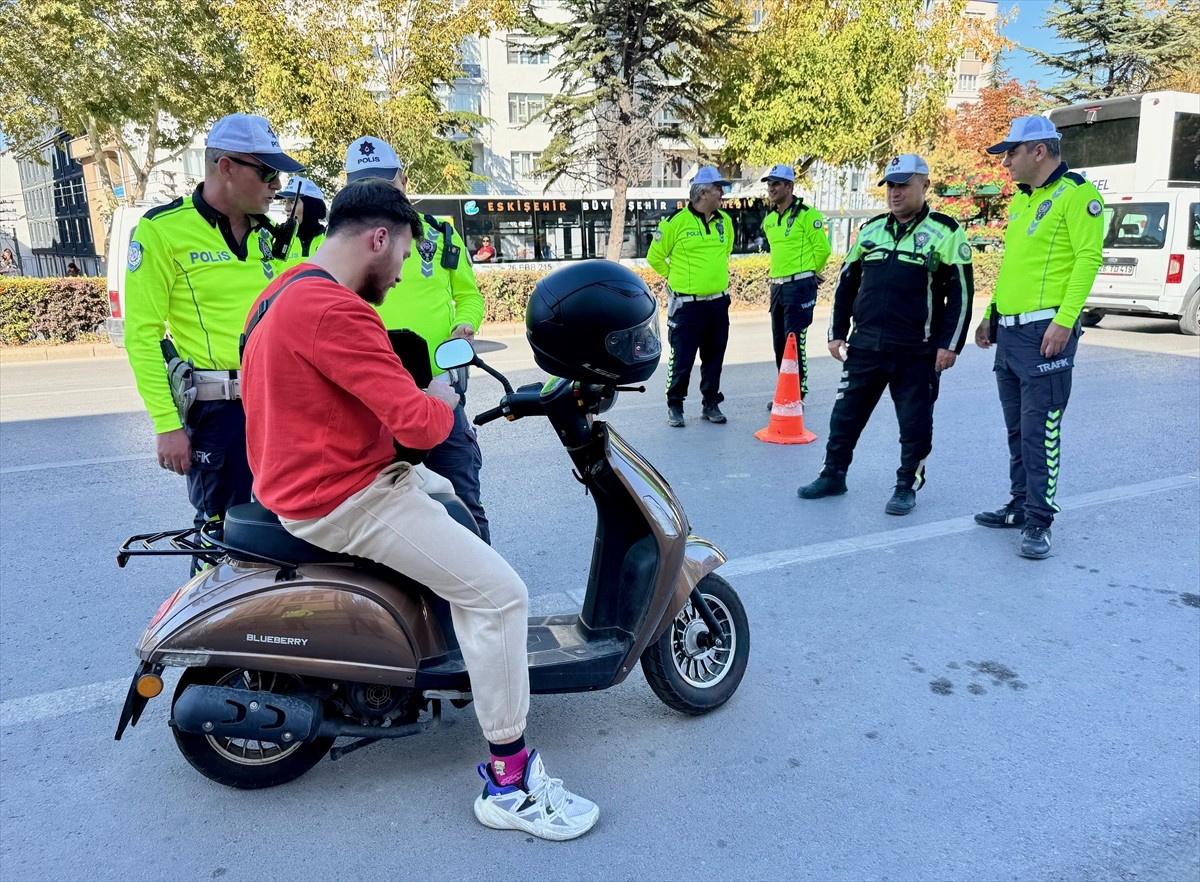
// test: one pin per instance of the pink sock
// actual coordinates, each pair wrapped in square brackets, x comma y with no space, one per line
[510,770]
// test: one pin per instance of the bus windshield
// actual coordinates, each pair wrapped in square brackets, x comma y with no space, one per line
[1108,142]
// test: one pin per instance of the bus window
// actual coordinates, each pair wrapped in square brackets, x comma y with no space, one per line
[560,235]
[1107,142]
[1185,148]
[1138,225]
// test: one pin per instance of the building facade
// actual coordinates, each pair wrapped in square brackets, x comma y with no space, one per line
[56,211]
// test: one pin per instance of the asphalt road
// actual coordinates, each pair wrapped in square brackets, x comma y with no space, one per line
[921,703]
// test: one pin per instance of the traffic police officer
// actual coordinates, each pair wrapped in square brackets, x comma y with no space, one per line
[303,203]
[195,267]
[1052,251]
[799,250]
[691,251]
[907,283]
[437,297]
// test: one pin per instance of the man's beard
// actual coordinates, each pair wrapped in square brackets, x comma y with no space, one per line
[375,287]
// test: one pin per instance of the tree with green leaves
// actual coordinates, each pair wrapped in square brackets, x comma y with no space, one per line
[141,78]
[338,69]
[1122,47]
[845,82]
[622,63]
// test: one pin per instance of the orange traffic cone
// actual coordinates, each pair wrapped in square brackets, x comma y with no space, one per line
[787,413]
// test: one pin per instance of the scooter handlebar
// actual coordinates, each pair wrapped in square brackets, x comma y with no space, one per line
[488,415]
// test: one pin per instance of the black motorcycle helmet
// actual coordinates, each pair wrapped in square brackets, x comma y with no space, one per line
[596,322]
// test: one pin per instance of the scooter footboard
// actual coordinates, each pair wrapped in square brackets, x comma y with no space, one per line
[700,558]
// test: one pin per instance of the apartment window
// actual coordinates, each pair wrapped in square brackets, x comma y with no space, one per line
[970,55]
[524,164]
[967,82]
[524,53]
[193,163]
[522,107]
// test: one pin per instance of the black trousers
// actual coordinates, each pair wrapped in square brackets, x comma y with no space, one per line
[1033,394]
[698,326]
[220,474]
[913,382]
[792,305]
[458,459]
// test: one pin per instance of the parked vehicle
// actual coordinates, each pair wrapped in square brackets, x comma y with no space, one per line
[1151,258]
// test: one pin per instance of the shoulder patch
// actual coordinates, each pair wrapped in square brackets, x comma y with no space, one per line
[134,258]
[817,224]
[1095,207]
[943,219]
[964,251]
[658,235]
[1075,177]
[162,209]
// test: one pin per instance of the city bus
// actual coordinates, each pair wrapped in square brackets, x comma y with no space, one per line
[538,229]
[1143,153]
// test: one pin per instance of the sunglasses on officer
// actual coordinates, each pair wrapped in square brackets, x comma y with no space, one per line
[265,173]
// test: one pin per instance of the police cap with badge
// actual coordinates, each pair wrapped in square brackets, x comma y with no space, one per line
[903,167]
[253,135]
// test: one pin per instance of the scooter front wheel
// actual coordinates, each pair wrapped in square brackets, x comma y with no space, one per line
[239,762]
[683,666]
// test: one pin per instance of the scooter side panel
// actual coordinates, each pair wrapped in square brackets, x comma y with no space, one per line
[330,621]
[670,529]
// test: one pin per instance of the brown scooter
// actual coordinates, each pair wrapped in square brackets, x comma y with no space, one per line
[286,647]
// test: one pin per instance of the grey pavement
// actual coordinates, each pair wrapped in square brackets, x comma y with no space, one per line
[920,703]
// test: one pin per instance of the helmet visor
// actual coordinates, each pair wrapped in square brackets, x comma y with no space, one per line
[636,345]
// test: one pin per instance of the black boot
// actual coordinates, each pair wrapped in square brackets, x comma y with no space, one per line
[829,483]
[902,502]
[675,416]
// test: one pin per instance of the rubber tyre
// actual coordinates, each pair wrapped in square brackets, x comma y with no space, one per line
[1189,322]
[1089,318]
[217,765]
[659,659]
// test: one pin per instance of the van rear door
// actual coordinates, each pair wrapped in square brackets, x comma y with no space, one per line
[1136,252]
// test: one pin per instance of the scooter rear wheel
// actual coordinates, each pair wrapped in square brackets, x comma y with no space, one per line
[684,669]
[243,763]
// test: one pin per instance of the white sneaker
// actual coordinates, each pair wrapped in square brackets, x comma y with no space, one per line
[540,805]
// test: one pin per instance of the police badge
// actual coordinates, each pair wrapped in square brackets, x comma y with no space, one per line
[264,246]
[427,248]
[922,239]
[1042,209]
[964,251]
[721,229]
[134,257]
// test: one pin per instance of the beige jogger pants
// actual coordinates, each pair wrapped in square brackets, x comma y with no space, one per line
[394,521]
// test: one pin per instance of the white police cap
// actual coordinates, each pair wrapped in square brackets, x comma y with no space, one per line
[1026,128]
[709,175]
[903,167]
[303,185]
[372,158]
[780,173]
[247,133]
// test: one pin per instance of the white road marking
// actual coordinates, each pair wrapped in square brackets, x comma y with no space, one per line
[100,460]
[64,702]
[44,392]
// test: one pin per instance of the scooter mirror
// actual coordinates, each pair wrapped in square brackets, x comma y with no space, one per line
[454,354]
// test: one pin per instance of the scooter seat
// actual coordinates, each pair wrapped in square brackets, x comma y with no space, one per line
[254,528]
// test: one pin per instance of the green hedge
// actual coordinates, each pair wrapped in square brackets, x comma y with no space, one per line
[51,310]
[506,292]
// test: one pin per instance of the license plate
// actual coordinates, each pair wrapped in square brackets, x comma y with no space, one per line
[1117,270]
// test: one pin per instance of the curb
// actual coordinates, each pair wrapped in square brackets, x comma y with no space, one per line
[63,352]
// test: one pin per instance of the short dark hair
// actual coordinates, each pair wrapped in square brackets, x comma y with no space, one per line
[1053,147]
[372,202]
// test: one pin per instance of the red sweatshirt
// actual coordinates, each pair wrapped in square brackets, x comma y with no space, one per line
[324,396]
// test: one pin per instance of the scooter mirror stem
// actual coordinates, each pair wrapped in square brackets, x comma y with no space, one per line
[476,362]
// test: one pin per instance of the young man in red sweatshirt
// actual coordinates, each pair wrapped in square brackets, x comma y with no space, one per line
[325,397]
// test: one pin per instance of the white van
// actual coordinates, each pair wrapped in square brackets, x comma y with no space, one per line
[120,232]
[1151,258]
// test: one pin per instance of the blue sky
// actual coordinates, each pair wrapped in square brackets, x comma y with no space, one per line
[1027,29]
